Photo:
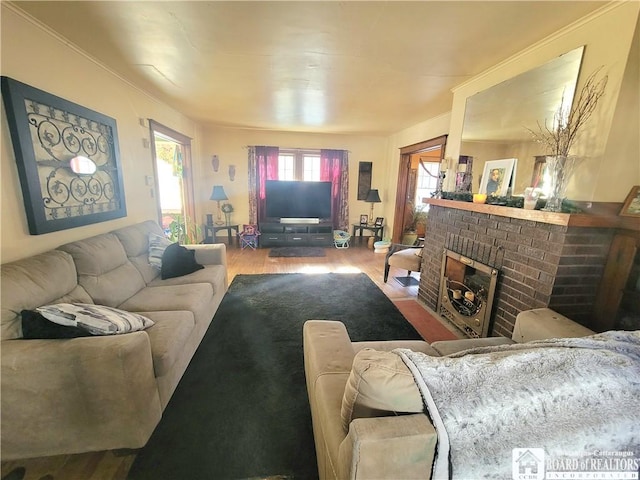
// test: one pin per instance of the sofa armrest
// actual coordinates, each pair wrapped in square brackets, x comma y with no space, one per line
[388,448]
[77,395]
[327,349]
[210,253]
[544,323]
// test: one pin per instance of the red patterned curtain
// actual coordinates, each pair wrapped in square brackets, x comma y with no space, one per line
[263,166]
[334,168]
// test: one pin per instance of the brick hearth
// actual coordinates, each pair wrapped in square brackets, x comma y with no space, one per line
[541,264]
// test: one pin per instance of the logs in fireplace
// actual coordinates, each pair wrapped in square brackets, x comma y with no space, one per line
[467,289]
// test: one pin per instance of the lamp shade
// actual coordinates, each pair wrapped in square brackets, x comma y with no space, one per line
[218,193]
[373,196]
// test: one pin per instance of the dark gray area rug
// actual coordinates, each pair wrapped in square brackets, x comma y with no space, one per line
[241,409]
[297,252]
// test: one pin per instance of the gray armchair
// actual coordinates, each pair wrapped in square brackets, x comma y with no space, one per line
[408,257]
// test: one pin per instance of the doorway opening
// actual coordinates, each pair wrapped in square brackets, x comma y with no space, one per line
[174,184]
[418,177]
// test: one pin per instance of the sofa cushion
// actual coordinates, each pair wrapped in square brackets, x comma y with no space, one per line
[389,345]
[379,384]
[135,240]
[49,277]
[36,326]
[406,259]
[447,347]
[168,337]
[195,297]
[214,275]
[96,319]
[178,261]
[104,269]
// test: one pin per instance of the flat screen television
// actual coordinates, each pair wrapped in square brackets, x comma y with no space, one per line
[292,199]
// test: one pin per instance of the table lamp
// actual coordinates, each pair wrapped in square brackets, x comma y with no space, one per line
[218,195]
[372,197]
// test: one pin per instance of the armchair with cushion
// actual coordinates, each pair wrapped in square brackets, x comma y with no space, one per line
[408,257]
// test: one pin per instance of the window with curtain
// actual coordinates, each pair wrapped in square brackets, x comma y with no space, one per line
[275,163]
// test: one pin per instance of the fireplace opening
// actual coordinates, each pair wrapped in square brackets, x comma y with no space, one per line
[467,289]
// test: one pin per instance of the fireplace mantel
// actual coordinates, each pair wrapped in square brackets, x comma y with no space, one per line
[605,218]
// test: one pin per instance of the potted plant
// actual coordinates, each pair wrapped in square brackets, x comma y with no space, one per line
[416,222]
[183,230]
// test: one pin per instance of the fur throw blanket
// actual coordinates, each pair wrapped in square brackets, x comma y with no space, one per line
[571,397]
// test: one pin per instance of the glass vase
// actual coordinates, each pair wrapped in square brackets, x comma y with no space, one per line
[558,172]
[227,218]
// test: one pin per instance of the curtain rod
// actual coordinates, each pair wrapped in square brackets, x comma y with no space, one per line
[296,148]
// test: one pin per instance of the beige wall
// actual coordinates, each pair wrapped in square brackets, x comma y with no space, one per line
[230,146]
[616,177]
[38,58]
[608,37]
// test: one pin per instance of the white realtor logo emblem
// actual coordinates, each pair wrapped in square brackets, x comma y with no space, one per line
[528,463]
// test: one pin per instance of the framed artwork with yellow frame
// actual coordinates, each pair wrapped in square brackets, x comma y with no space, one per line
[631,206]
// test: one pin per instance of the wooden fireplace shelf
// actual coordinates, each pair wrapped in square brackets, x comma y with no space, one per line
[604,214]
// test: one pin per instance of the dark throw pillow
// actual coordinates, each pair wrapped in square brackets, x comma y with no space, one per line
[178,261]
[35,326]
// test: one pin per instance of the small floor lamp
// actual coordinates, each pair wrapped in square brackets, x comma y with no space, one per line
[372,197]
[218,195]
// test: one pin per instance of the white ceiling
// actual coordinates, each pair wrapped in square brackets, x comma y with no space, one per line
[332,67]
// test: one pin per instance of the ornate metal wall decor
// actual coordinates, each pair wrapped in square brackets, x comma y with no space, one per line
[68,160]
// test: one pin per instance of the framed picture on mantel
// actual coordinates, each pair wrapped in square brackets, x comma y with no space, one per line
[631,207]
[497,176]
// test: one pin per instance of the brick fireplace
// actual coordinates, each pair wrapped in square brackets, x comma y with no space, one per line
[545,259]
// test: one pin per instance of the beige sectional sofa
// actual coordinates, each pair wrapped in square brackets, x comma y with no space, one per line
[104,392]
[374,442]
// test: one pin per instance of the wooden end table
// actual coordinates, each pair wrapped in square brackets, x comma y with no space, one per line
[211,230]
[378,231]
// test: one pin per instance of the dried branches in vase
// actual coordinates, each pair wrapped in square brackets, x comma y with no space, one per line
[559,138]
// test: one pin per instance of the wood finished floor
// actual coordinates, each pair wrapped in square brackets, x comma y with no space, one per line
[114,465]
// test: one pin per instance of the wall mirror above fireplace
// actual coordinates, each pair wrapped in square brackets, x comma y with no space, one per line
[496,119]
